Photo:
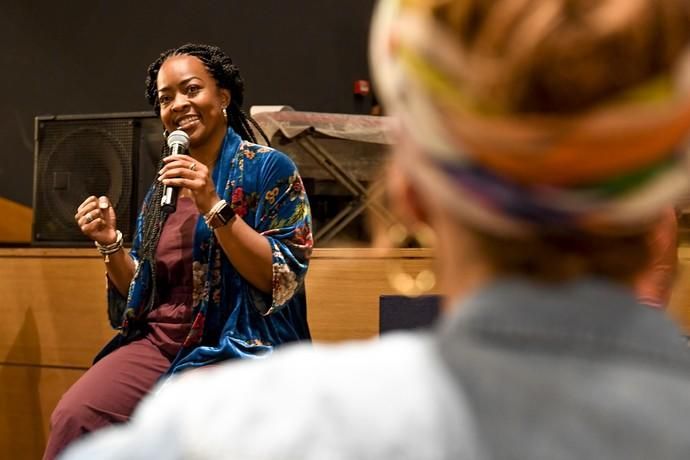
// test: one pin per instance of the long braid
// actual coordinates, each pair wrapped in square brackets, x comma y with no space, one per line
[256,127]
[242,124]
[238,124]
[154,219]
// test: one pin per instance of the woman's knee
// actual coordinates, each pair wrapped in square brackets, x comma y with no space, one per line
[71,414]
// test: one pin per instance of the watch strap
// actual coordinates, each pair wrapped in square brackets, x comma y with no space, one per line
[219,215]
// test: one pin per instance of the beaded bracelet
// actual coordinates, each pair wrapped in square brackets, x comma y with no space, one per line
[107,249]
[208,217]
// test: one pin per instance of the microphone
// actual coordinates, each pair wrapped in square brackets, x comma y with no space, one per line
[178,142]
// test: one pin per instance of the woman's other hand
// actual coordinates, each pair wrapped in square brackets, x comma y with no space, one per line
[96,219]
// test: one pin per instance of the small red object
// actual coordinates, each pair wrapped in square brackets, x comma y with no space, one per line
[362,87]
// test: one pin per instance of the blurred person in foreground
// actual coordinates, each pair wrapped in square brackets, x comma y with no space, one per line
[540,141]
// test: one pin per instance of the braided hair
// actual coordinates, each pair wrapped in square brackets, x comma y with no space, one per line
[227,76]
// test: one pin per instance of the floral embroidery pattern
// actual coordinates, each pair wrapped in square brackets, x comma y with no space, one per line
[284,284]
[303,237]
[216,279]
[196,332]
[200,284]
[297,186]
[271,195]
[238,202]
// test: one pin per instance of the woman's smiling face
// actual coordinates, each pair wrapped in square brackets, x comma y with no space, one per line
[191,100]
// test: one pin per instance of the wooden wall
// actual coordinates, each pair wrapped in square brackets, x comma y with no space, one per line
[679,307]
[15,225]
[54,321]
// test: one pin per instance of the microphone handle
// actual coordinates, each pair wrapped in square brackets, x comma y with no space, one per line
[169,199]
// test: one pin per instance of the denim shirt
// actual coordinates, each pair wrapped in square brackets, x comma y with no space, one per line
[572,371]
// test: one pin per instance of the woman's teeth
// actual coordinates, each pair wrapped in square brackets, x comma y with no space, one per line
[185,123]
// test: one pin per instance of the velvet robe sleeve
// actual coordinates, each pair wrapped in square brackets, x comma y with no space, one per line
[281,214]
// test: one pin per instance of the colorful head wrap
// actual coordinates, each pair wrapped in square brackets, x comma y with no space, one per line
[611,168]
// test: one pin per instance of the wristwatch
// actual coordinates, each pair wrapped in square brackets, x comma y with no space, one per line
[220,215]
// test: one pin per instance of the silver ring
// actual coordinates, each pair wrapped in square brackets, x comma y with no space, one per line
[89,218]
[192,166]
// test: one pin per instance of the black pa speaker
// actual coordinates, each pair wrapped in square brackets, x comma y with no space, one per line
[76,156]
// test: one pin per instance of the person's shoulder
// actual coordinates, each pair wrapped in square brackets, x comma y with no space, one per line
[335,367]
[362,399]
[265,161]
[393,356]
[251,151]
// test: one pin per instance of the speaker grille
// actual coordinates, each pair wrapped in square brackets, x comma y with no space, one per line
[76,159]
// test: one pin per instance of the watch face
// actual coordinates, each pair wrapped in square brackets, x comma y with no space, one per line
[226,213]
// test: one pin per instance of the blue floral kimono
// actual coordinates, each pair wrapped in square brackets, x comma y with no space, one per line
[232,319]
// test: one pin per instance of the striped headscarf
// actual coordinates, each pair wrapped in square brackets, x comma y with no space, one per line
[611,168]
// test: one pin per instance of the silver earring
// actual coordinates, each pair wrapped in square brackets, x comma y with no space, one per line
[225,114]
[165,133]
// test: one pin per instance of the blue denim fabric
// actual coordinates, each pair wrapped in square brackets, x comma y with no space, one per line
[575,371]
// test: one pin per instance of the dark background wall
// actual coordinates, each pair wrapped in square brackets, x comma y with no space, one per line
[89,56]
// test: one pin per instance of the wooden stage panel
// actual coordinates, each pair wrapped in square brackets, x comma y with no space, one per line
[54,300]
[343,289]
[27,398]
[15,225]
[54,321]
[54,305]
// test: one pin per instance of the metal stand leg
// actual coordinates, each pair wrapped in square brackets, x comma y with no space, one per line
[363,198]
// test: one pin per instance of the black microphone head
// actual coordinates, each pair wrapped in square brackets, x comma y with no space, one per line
[178,138]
